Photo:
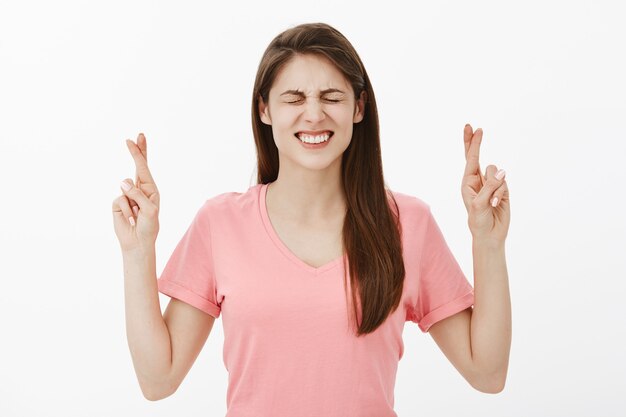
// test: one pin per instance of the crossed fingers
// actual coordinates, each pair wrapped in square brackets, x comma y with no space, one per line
[472,141]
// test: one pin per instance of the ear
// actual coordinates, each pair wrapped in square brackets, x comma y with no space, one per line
[264,112]
[359,111]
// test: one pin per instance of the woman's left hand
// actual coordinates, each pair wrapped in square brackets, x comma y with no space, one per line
[486,222]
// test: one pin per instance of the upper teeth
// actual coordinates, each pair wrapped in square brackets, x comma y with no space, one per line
[313,139]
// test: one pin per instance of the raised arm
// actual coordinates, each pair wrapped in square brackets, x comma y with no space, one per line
[477,340]
[163,347]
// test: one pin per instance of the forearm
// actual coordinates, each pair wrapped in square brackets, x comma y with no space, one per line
[146,331]
[491,316]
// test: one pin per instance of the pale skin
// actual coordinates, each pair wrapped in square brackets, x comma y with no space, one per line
[476,341]
[308,191]
[163,346]
[305,203]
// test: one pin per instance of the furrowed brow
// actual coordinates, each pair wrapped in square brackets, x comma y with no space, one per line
[301,94]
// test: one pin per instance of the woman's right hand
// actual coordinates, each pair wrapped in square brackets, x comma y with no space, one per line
[136,211]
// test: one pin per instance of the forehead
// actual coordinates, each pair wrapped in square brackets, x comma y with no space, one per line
[310,73]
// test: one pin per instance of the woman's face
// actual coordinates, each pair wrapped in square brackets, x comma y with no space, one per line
[310,94]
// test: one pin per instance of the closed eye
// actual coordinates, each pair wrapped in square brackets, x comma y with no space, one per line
[332,101]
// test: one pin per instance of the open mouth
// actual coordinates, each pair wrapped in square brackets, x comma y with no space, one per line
[314,139]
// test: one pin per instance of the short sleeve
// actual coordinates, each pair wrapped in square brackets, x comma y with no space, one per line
[189,275]
[443,289]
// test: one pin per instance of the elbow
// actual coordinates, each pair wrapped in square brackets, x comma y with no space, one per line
[494,388]
[156,392]
[489,383]
[153,396]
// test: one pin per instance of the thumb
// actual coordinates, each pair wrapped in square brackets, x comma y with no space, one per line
[492,183]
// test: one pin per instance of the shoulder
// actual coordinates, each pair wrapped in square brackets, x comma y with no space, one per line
[409,204]
[231,202]
[414,217]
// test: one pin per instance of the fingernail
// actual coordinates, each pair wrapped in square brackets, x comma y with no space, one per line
[136,210]
[494,201]
[131,220]
[500,174]
[125,185]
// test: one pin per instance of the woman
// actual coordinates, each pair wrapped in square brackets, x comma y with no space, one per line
[318,266]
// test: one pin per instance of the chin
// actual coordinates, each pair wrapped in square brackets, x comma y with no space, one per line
[309,162]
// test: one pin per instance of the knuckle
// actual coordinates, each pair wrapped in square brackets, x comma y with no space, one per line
[150,212]
[494,182]
[118,201]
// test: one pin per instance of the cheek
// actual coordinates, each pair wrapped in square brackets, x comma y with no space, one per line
[286,118]
[347,124]
[342,115]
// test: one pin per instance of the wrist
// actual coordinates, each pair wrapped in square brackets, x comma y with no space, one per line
[138,252]
[488,243]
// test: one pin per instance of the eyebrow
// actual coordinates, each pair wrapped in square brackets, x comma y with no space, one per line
[300,93]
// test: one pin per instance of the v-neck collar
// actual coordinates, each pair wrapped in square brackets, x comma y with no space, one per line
[281,245]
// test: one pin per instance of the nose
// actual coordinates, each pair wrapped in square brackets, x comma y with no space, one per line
[314,111]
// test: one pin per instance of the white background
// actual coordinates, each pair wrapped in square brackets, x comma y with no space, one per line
[545,81]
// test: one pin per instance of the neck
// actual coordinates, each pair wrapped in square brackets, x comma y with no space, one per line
[307,198]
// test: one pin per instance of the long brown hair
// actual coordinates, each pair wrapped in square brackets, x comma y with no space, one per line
[371,230]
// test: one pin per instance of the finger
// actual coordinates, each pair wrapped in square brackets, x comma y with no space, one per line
[472,166]
[141,164]
[498,195]
[132,203]
[121,206]
[467,141]
[492,183]
[136,194]
[467,138]
[143,147]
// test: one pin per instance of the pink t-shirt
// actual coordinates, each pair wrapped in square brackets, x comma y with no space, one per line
[288,346]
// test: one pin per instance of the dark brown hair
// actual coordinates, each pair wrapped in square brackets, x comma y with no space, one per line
[371,230]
